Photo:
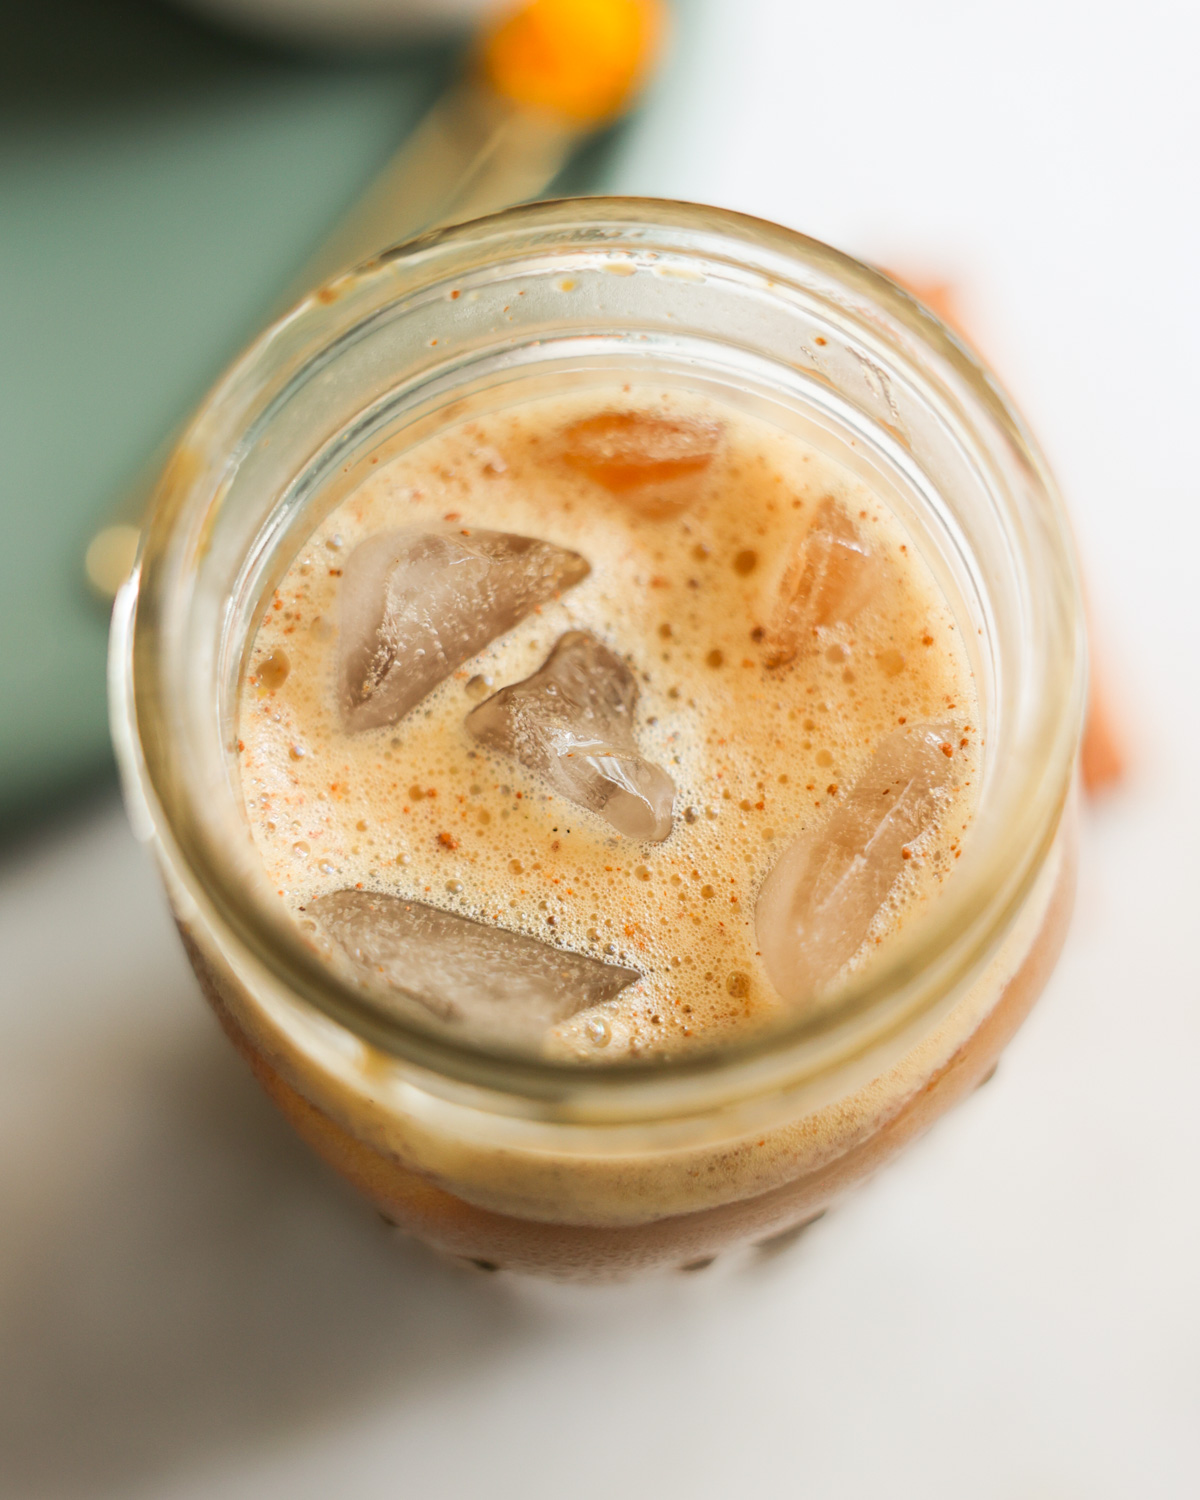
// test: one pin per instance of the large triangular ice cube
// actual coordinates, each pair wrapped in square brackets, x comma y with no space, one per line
[416,604]
[477,981]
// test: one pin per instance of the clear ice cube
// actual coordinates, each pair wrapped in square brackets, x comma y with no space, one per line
[817,904]
[572,722]
[652,463]
[831,577]
[417,604]
[476,980]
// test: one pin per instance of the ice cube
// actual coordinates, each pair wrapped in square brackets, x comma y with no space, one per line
[477,981]
[817,903]
[572,722]
[653,464]
[417,604]
[831,577]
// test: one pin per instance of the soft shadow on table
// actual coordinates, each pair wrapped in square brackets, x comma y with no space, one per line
[179,1280]
[192,1284]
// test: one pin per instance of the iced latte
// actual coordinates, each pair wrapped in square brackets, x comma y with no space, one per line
[624,738]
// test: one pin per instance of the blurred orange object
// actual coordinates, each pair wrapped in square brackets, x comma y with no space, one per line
[1102,756]
[581,59]
[939,296]
[1103,760]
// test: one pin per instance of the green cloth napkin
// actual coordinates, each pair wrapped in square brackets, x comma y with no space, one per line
[160,182]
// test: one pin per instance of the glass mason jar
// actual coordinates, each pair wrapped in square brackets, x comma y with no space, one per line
[605,1169]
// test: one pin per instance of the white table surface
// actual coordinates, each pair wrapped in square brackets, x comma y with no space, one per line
[190,1306]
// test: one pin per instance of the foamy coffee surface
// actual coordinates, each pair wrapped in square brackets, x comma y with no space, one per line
[760,751]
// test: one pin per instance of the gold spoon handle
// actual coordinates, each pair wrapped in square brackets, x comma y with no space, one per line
[472,154]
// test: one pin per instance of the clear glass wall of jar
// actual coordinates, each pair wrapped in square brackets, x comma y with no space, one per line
[609,1169]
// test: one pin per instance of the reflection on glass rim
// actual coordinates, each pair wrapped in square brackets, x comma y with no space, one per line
[728,298]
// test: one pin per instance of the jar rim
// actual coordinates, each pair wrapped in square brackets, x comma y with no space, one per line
[951,941]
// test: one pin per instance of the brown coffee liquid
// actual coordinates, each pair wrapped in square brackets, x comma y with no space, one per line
[767,675]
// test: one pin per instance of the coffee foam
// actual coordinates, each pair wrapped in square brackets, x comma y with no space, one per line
[757,755]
